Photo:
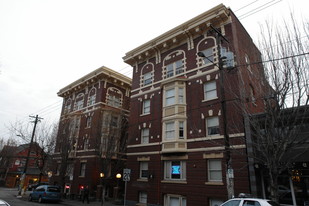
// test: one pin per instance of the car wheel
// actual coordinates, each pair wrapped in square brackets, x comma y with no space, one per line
[30,198]
[40,200]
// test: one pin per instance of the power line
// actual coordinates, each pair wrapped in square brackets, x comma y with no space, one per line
[246,5]
[253,11]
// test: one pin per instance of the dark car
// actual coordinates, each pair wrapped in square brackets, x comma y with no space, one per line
[46,193]
[35,185]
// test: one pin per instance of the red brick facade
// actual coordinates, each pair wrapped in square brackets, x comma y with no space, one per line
[95,111]
[176,147]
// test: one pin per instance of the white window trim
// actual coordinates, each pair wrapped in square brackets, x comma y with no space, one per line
[142,196]
[174,71]
[209,170]
[148,107]
[144,136]
[142,168]
[205,92]
[178,96]
[147,78]
[168,172]
[207,126]
[175,130]
[182,199]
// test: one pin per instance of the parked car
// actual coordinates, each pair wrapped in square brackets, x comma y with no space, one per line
[46,193]
[249,202]
[4,203]
[35,185]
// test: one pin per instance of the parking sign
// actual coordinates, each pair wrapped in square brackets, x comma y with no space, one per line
[126,174]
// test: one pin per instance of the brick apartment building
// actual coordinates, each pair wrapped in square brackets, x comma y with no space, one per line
[186,128]
[91,135]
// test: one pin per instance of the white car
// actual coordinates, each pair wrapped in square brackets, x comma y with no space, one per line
[249,202]
[4,203]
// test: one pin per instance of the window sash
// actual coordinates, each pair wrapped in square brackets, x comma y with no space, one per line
[82,169]
[143,197]
[113,101]
[181,130]
[145,136]
[143,170]
[209,56]
[175,170]
[170,97]
[174,68]
[179,67]
[170,130]
[147,78]
[210,90]
[214,170]
[175,201]
[91,100]
[146,106]
[213,126]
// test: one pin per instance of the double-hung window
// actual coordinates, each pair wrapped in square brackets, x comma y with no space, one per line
[174,96]
[143,170]
[82,171]
[79,102]
[147,78]
[143,197]
[212,124]
[145,136]
[181,130]
[210,90]
[170,131]
[175,200]
[174,130]
[175,170]
[214,170]
[146,106]
[174,68]
[170,97]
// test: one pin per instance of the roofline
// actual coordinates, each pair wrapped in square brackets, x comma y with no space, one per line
[102,70]
[200,20]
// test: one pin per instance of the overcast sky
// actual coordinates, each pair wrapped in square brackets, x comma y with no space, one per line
[47,44]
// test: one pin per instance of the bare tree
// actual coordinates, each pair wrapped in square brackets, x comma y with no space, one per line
[66,146]
[111,144]
[44,138]
[278,132]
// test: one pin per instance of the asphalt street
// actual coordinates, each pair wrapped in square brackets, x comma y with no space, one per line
[10,196]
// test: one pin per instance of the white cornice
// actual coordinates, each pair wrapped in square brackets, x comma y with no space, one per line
[102,72]
[213,16]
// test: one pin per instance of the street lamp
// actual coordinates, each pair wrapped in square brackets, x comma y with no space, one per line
[101,177]
[116,189]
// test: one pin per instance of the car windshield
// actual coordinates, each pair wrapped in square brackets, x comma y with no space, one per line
[231,203]
[273,203]
[53,189]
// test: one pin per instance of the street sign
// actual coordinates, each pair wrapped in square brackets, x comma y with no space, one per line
[126,174]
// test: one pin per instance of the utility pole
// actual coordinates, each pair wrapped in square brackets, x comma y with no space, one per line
[23,177]
[229,170]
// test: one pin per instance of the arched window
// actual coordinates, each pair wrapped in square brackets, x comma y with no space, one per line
[79,102]
[67,106]
[147,74]
[91,97]
[174,64]
[114,97]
